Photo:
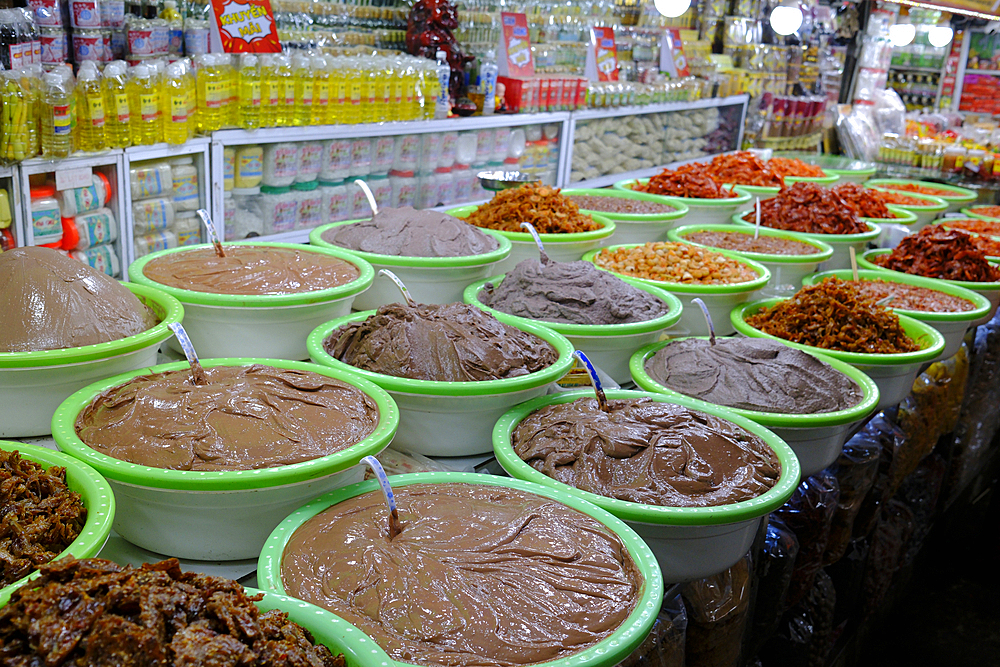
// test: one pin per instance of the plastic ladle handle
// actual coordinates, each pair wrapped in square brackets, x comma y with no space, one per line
[602,400]
[854,263]
[197,372]
[213,233]
[543,256]
[708,318]
[756,227]
[368,193]
[395,527]
[399,283]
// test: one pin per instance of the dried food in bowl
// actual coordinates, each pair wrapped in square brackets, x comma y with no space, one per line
[675,263]
[541,205]
[784,166]
[743,168]
[809,208]
[935,252]
[693,181]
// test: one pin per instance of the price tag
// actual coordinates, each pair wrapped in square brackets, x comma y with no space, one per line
[71,179]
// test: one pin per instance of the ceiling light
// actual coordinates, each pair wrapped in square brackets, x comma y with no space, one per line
[786,18]
[902,34]
[672,8]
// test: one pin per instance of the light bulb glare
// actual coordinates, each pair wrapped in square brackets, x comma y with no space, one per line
[786,19]
[902,34]
[672,8]
[940,35]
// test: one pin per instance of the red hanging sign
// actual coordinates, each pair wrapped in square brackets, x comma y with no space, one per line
[602,42]
[246,26]
[515,46]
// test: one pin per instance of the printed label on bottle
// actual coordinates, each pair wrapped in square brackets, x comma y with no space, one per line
[361,153]
[85,199]
[383,152]
[186,188]
[397,92]
[307,93]
[214,94]
[387,92]
[272,95]
[178,108]
[355,93]
[149,107]
[150,215]
[96,108]
[289,93]
[148,182]
[251,165]
[99,227]
[121,107]
[286,162]
[100,259]
[16,57]
[62,121]
[322,94]
[46,226]
[250,93]
[310,212]
[310,158]
[284,216]
[340,92]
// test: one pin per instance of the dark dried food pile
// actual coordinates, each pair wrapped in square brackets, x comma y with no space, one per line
[95,612]
[810,208]
[936,252]
[39,515]
[866,203]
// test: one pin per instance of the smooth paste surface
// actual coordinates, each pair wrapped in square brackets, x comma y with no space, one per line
[480,575]
[753,374]
[571,293]
[647,452]
[243,418]
[453,342]
[52,302]
[250,270]
[408,232]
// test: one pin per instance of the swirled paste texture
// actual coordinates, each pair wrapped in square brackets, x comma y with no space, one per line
[250,270]
[242,418]
[753,374]
[52,302]
[453,342]
[647,452]
[407,232]
[480,576]
[571,293]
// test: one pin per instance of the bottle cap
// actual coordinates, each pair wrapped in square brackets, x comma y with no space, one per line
[71,235]
[39,191]
[110,192]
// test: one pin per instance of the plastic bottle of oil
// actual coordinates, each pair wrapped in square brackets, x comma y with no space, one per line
[249,107]
[270,93]
[321,91]
[211,93]
[304,85]
[57,125]
[338,91]
[419,90]
[286,84]
[371,108]
[144,102]
[230,66]
[356,85]
[191,94]
[90,107]
[31,81]
[177,120]
[117,117]
[386,82]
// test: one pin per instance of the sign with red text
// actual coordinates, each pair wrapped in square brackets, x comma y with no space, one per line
[602,56]
[244,26]
[515,46]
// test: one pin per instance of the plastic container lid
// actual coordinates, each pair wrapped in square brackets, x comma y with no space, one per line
[443,170]
[402,174]
[306,185]
[274,189]
[39,191]
[107,183]
[181,161]
[245,192]
[71,235]
[330,184]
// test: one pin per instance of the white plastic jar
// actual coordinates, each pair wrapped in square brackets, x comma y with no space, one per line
[464,180]
[485,143]
[281,164]
[383,149]
[430,153]
[249,167]
[153,242]
[279,209]
[249,217]
[336,160]
[465,147]
[187,228]
[310,205]
[406,152]
[336,205]
[360,208]
[46,218]
[501,142]
[153,180]
[310,161]
[152,215]
[361,157]
[187,188]
[102,258]
[404,188]
[445,185]
[427,192]
[449,145]
[228,168]
[83,200]
[95,228]
[228,210]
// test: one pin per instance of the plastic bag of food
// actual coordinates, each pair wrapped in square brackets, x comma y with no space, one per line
[980,417]
[889,542]
[717,609]
[855,469]
[920,492]
[398,463]
[773,571]
[890,438]
[808,513]
[848,575]
[664,645]
[805,635]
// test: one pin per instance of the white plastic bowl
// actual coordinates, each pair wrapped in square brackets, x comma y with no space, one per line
[841,243]
[33,384]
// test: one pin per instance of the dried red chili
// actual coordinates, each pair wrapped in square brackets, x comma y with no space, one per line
[975,226]
[544,207]
[989,245]
[809,208]
[743,168]
[937,252]
[919,189]
[863,201]
[988,211]
[835,315]
[887,197]
[689,180]
[784,166]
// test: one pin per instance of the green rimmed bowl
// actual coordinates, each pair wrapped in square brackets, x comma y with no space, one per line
[893,373]
[971,212]
[689,542]
[934,207]
[607,653]
[901,217]
[700,211]
[608,346]
[218,515]
[829,178]
[428,279]
[94,491]
[787,271]
[33,384]
[952,326]
[989,290]
[720,299]
[850,170]
[841,243]
[636,227]
[439,418]
[274,326]
[816,439]
[559,247]
[756,192]
[962,196]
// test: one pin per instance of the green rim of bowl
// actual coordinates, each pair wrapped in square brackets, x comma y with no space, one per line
[166,307]
[865,262]
[825,250]
[935,204]
[971,212]
[356,286]
[961,194]
[762,191]
[680,208]
[763,274]
[867,404]
[834,164]
[668,319]
[903,216]
[64,433]
[829,179]
[610,651]
[492,257]
[327,629]
[771,500]
[95,492]
[943,222]
[929,338]
[862,173]
[606,230]
[742,197]
[873,231]
[981,302]
[551,373]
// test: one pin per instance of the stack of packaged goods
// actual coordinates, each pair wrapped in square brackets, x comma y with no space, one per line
[165,196]
[89,226]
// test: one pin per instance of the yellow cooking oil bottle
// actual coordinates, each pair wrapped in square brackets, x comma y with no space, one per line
[355,77]
[286,83]
[117,116]
[304,85]
[144,100]
[338,90]
[321,91]
[270,94]
[31,80]
[230,66]
[57,126]
[90,107]
[177,120]
[210,91]
[375,110]
[249,94]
